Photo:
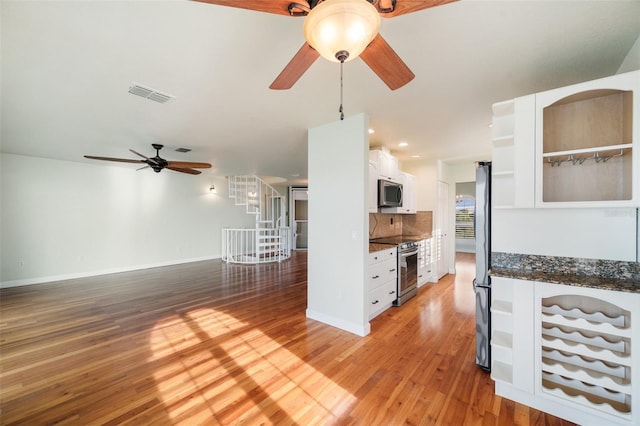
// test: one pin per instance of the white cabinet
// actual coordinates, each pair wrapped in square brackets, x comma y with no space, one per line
[373,187]
[513,128]
[409,202]
[567,350]
[511,331]
[387,164]
[586,141]
[382,280]
[585,350]
[424,262]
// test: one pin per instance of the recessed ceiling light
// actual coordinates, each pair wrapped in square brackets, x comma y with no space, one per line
[403,144]
[371,131]
[415,156]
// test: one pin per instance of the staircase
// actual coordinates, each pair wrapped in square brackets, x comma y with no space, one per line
[269,240]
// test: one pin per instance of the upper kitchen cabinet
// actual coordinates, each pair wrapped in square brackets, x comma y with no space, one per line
[513,128]
[409,200]
[586,141]
[386,164]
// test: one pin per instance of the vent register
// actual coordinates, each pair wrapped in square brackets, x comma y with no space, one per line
[151,94]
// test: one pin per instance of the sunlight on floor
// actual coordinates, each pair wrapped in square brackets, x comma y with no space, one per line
[225,370]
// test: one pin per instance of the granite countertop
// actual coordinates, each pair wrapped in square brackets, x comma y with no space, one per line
[570,279]
[373,247]
[591,273]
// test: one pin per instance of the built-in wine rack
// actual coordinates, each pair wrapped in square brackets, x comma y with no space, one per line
[586,353]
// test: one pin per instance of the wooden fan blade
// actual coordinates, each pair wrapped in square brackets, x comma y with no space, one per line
[386,63]
[279,7]
[188,165]
[408,6]
[139,155]
[297,66]
[120,160]
[184,170]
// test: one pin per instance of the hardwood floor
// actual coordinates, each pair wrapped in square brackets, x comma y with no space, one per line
[210,343]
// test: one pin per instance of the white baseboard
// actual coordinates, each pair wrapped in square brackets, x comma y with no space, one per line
[357,329]
[62,277]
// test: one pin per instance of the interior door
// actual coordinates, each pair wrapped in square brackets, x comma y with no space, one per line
[299,213]
[442,226]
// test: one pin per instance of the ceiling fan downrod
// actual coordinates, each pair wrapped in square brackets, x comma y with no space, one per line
[342,56]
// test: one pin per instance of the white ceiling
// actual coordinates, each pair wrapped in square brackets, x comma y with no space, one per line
[67,67]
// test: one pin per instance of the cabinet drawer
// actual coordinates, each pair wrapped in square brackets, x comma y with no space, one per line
[381,298]
[382,272]
[382,255]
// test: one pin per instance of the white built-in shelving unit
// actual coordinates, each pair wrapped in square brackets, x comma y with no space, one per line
[567,350]
[513,152]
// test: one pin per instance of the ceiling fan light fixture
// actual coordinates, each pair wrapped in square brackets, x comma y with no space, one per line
[336,26]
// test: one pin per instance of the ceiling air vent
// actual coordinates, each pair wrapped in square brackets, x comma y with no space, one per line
[182,150]
[151,94]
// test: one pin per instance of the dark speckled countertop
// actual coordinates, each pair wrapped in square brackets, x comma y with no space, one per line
[592,273]
[379,246]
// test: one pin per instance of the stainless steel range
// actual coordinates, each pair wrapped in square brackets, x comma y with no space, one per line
[407,285]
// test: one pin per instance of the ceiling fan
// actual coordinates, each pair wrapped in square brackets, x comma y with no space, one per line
[157,163]
[378,54]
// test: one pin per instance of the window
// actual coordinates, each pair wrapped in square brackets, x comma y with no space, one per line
[465,217]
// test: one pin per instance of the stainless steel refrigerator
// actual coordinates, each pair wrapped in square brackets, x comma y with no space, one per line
[482,282]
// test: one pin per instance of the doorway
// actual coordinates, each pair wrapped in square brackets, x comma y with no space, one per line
[299,217]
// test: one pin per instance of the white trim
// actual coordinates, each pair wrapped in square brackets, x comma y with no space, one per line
[561,409]
[52,278]
[357,329]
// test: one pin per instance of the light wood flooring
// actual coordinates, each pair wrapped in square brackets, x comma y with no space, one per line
[210,343]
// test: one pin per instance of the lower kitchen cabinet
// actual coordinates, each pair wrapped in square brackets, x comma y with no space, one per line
[424,262]
[382,280]
[567,350]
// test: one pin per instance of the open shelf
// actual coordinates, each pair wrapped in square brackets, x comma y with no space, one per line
[587,141]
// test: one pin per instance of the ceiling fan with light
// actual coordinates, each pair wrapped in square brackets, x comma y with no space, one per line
[158,163]
[339,31]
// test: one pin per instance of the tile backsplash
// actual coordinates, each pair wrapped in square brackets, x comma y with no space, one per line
[388,225]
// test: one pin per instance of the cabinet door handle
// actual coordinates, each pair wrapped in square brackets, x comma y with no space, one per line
[374,302]
[376,277]
[392,270]
[392,291]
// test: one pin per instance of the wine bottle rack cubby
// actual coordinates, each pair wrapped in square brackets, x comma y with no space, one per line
[586,353]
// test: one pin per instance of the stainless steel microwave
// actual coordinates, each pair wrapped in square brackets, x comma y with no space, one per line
[389,193]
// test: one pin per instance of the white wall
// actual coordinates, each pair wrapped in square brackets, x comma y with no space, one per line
[632,60]
[338,224]
[585,233]
[63,219]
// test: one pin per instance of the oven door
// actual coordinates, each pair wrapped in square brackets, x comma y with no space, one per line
[408,272]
